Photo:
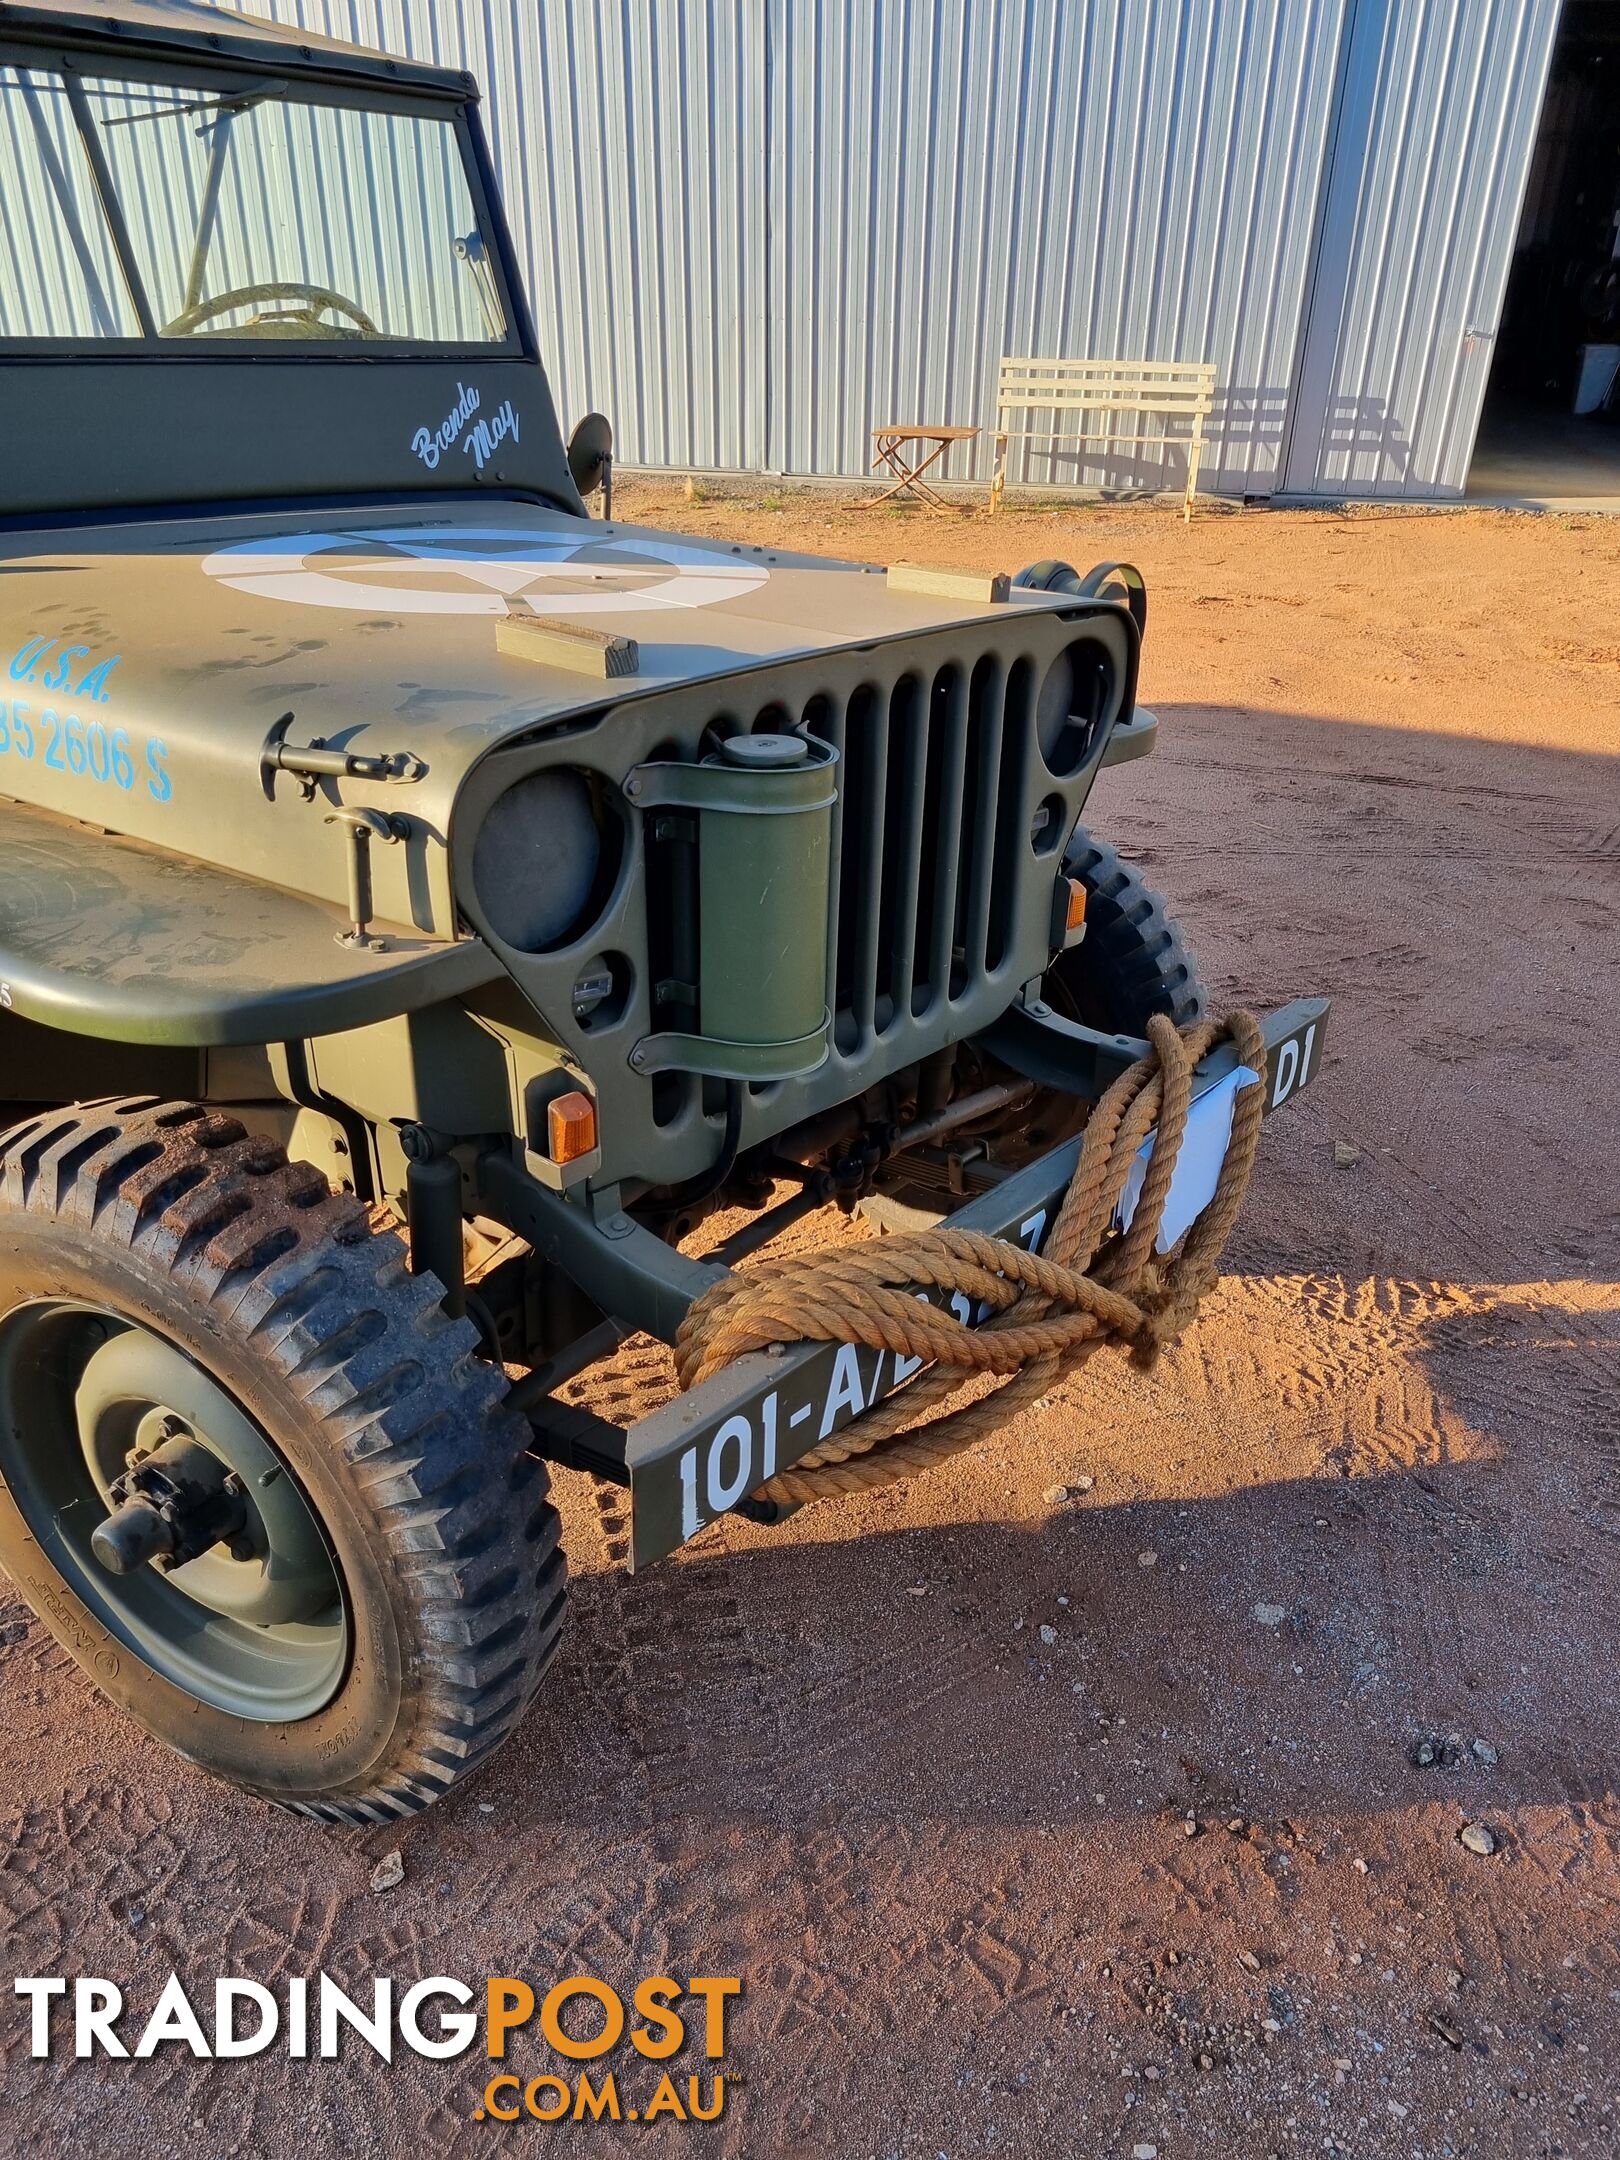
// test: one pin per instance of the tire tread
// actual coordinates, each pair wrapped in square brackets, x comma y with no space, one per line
[298,1274]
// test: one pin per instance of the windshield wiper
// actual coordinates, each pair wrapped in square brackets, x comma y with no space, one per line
[228,109]
[227,105]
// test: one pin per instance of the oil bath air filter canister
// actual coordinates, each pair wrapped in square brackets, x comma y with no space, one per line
[763,807]
[764,857]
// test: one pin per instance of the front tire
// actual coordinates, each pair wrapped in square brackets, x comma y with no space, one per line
[388,1616]
[1134,960]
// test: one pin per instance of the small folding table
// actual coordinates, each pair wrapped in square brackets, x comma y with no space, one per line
[908,452]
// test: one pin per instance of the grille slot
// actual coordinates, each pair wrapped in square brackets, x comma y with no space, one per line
[927,841]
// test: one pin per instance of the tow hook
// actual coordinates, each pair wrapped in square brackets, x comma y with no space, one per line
[171,1506]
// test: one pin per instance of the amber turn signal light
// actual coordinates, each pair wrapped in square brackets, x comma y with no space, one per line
[1075,916]
[570,1126]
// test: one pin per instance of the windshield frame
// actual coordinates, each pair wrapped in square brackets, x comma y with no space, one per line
[238,77]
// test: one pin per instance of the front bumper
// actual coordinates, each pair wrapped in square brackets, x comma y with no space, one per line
[703,1454]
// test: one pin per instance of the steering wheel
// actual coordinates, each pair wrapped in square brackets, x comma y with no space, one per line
[317,297]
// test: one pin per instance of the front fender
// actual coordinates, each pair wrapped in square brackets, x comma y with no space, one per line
[113,938]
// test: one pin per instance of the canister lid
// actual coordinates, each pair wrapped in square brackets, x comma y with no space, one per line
[765,752]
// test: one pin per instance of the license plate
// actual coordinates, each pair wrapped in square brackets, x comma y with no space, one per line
[698,1457]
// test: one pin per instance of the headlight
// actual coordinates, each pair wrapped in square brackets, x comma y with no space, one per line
[1075,703]
[544,860]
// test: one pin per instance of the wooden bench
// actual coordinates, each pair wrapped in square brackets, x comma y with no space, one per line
[1166,389]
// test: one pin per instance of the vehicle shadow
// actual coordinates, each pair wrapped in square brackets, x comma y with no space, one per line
[1288,1643]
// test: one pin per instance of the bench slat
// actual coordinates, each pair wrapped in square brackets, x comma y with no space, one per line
[1107,401]
[1116,367]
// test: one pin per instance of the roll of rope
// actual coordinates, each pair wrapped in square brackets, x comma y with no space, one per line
[1049,1312]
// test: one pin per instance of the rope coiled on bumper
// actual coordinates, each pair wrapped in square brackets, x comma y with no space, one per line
[1051,1311]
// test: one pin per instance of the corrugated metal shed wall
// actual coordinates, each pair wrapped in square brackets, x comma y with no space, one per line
[755,229]
[948,180]
[952,180]
[1440,107]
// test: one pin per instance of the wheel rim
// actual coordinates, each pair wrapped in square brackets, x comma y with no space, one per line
[261,1632]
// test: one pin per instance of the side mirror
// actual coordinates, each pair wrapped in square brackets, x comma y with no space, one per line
[590,459]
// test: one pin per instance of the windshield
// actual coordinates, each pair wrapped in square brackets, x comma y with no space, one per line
[250,213]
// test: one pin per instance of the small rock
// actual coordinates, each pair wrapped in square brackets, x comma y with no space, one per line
[1272,2025]
[1055,1495]
[1484,1752]
[1442,1750]
[1271,1615]
[1359,1865]
[389,1872]
[1063,1601]
[1343,2062]
[1082,1484]
[486,1807]
[1248,1960]
[1478,1837]
[1048,1634]
[1237,1826]
[1345,1157]
[1152,2072]
[1144,2152]
[916,1589]
[1190,1826]
[1147,1559]
[1399,2112]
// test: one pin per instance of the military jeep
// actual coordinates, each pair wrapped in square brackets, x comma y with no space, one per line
[423,903]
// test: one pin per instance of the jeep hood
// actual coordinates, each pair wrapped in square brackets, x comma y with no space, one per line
[145,664]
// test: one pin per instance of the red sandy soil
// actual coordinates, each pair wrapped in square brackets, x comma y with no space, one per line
[1172,1878]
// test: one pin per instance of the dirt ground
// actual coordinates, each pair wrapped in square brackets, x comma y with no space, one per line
[1172,1879]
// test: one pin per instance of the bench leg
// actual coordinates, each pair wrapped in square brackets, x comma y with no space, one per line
[998,480]
[1195,452]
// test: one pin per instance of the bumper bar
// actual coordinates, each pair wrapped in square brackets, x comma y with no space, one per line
[695,1459]
[701,1456]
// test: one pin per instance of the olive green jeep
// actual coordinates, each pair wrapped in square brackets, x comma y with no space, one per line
[422,903]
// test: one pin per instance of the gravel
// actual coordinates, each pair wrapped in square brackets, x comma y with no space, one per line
[389,1872]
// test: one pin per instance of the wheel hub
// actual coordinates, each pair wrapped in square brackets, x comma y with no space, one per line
[172,1504]
[237,1536]
[171,1512]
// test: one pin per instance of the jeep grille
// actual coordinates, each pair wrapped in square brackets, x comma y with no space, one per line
[927,842]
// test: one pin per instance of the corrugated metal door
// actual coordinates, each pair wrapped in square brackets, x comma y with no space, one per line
[1436,124]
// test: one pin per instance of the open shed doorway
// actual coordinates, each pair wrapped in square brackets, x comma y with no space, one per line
[1550,431]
